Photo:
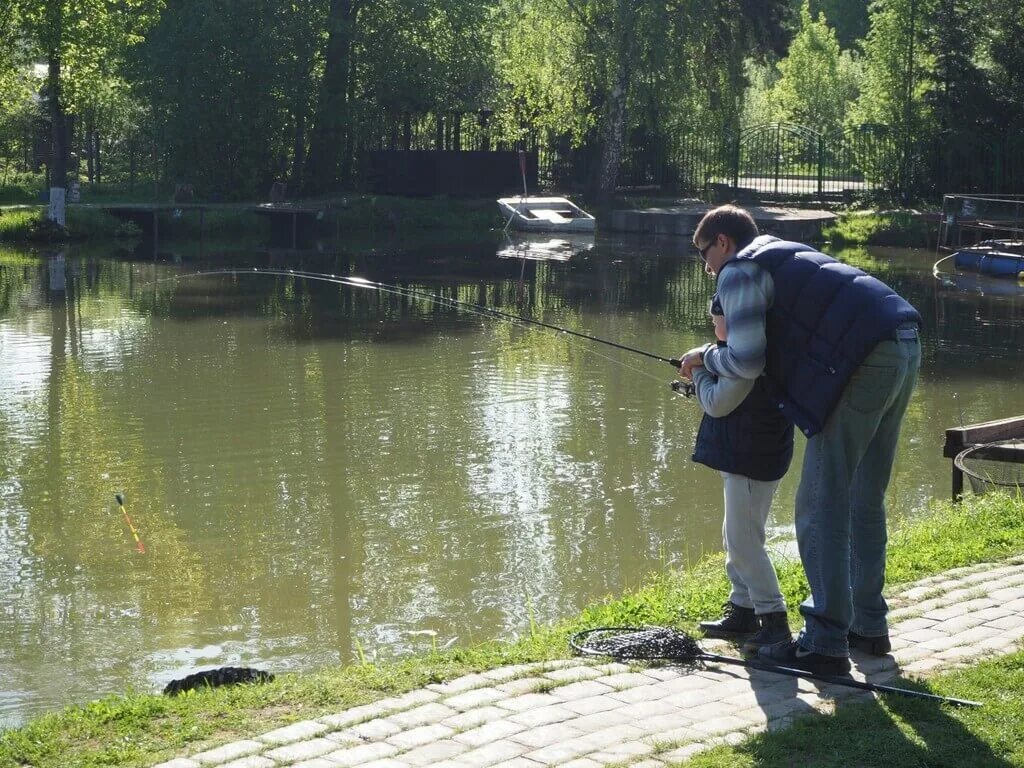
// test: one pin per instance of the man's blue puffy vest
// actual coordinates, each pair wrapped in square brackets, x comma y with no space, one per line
[825,319]
[755,440]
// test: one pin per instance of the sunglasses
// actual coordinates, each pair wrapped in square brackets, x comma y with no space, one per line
[703,251]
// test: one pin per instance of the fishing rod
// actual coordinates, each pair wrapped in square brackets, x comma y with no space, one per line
[684,388]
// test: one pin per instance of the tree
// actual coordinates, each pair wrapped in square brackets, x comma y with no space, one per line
[77,38]
[815,82]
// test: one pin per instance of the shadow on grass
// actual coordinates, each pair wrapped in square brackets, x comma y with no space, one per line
[895,731]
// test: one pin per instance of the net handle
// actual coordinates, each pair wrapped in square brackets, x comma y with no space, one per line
[576,642]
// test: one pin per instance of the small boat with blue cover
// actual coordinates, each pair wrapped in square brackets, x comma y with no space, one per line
[999,258]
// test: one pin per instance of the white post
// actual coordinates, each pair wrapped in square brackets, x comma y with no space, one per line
[56,211]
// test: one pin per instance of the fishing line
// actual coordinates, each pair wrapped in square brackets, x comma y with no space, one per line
[359,282]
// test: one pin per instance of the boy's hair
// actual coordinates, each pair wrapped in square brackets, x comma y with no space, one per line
[729,220]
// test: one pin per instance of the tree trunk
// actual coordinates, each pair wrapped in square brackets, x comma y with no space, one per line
[298,148]
[614,130]
[332,115]
[97,161]
[89,159]
[58,125]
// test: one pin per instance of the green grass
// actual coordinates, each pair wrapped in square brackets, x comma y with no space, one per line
[897,228]
[31,225]
[141,729]
[899,731]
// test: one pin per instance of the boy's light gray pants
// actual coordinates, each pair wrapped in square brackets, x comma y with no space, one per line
[750,571]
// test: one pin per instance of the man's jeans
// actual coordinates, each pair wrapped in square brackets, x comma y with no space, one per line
[840,505]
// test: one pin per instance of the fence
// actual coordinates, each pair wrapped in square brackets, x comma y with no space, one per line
[769,161]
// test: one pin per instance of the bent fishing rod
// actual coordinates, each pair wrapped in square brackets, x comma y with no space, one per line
[684,388]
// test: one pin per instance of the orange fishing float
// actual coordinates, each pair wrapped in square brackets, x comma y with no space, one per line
[139,546]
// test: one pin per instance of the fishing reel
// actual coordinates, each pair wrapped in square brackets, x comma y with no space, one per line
[684,388]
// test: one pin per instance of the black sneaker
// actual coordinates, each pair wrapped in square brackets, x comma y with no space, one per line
[876,646]
[774,629]
[736,620]
[793,655]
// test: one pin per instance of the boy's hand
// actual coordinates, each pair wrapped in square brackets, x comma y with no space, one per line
[692,359]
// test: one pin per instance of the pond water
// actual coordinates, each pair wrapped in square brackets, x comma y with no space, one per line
[318,471]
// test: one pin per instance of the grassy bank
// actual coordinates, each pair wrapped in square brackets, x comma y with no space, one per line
[900,228]
[141,729]
[357,215]
[30,225]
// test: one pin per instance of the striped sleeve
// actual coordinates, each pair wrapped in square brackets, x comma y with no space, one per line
[745,291]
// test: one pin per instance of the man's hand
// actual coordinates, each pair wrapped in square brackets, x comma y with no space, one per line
[692,359]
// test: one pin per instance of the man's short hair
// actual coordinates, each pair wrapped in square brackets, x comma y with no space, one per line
[730,220]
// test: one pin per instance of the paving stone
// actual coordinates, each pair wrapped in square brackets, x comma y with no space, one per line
[363,753]
[354,715]
[374,730]
[527,701]
[663,674]
[924,635]
[433,753]
[305,730]
[648,763]
[411,699]
[599,721]
[419,736]
[911,625]
[495,752]
[517,762]
[425,714]
[669,738]
[302,750]
[178,762]
[1006,622]
[581,762]
[625,680]
[717,725]
[641,693]
[557,713]
[474,717]
[344,738]
[316,762]
[500,674]
[623,752]
[940,643]
[523,685]
[580,690]
[477,697]
[228,752]
[488,732]
[535,738]
[459,684]
[592,704]
[682,754]
[574,674]
[388,762]
[252,761]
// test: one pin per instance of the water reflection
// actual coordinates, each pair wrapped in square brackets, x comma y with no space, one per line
[314,466]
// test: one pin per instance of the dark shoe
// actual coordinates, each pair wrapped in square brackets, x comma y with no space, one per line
[876,646]
[774,630]
[791,654]
[736,620]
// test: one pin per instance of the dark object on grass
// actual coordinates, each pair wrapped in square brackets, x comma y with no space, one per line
[654,643]
[214,678]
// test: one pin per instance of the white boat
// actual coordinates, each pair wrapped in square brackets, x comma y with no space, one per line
[545,214]
[544,247]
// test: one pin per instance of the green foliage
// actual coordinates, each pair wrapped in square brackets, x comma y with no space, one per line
[816,80]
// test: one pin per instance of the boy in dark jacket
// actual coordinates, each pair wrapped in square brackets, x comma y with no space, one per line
[744,437]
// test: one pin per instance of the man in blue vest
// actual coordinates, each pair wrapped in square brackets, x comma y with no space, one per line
[840,353]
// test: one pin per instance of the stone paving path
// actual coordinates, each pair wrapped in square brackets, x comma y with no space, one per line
[581,714]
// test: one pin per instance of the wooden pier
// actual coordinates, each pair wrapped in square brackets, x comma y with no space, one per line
[285,217]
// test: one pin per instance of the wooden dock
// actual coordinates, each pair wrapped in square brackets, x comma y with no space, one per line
[800,224]
[281,215]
